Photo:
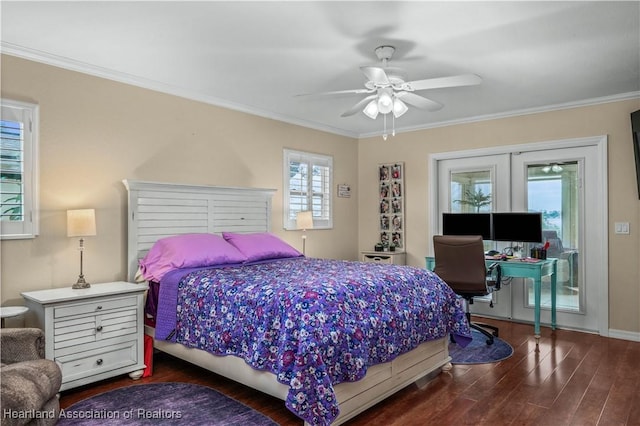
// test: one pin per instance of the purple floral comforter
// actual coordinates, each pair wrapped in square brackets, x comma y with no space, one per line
[313,322]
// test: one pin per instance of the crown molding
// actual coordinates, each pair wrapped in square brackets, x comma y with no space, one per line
[82,67]
[109,74]
[516,113]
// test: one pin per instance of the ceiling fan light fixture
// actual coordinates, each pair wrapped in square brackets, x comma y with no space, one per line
[399,108]
[553,167]
[371,110]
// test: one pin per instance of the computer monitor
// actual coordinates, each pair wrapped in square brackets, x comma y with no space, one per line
[517,227]
[467,224]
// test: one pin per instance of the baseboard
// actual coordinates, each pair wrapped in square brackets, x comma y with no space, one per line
[625,335]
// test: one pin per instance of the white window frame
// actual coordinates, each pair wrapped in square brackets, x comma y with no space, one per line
[311,159]
[28,114]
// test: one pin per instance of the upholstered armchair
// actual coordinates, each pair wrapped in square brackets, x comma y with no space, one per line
[29,383]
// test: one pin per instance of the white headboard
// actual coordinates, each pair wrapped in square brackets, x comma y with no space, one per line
[158,210]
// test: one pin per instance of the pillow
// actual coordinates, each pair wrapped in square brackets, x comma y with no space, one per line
[261,246]
[187,251]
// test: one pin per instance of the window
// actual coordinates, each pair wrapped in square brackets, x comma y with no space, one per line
[307,186]
[18,170]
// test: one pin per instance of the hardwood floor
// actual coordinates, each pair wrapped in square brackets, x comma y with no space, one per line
[574,379]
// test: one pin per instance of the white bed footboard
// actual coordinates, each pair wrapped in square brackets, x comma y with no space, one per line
[381,381]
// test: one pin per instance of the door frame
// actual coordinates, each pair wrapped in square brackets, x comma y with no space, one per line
[600,142]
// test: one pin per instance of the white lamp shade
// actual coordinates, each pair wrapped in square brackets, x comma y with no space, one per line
[371,110]
[304,220]
[81,223]
[399,108]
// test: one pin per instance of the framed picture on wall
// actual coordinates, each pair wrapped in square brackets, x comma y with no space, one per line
[391,205]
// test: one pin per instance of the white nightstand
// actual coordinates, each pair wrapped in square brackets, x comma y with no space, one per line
[92,333]
[390,257]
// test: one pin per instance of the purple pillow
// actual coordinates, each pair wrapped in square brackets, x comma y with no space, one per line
[261,246]
[187,251]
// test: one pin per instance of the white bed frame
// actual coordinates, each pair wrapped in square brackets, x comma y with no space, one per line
[157,210]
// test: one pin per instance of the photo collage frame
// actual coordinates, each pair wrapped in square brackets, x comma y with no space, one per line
[391,206]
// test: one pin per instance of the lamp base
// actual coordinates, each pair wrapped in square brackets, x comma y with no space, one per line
[81,283]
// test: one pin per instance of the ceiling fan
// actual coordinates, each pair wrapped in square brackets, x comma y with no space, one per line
[390,92]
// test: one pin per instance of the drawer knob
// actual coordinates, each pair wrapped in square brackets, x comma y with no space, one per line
[99,307]
[99,328]
[99,361]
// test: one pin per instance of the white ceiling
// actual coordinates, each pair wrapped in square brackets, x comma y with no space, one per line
[256,56]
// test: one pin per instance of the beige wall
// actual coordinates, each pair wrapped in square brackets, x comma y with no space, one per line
[414,148]
[95,132]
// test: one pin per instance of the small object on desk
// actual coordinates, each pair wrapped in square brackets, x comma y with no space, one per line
[539,252]
[11,311]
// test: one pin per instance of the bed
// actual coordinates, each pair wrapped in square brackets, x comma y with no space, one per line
[337,361]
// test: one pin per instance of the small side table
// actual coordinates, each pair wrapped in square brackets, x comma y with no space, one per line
[11,311]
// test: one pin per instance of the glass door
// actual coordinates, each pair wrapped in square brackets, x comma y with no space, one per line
[556,183]
[477,185]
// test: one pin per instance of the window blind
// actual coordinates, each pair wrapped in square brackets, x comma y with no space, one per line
[11,171]
[307,184]
[18,170]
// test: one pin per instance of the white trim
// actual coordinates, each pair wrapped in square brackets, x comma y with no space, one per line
[322,160]
[82,67]
[634,336]
[515,113]
[600,142]
[31,225]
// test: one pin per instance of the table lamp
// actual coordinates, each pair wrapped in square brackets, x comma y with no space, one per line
[81,223]
[304,221]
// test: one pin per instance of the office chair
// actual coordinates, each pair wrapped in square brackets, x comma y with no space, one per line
[461,264]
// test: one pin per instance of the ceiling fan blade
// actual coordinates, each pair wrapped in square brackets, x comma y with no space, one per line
[376,75]
[358,107]
[339,92]
[419,101]
[437,83]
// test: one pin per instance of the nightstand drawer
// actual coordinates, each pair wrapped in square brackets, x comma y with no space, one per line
[87,329]
[89,363]
[94,307]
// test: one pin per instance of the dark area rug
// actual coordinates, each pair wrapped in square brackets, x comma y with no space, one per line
[162,403]
[478,352]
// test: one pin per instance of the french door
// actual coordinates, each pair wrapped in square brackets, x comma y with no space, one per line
[566,181]
[477,185]
[560,184]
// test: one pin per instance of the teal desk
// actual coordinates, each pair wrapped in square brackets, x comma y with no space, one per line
[533,270]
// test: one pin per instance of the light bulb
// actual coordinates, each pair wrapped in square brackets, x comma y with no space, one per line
[385,103]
